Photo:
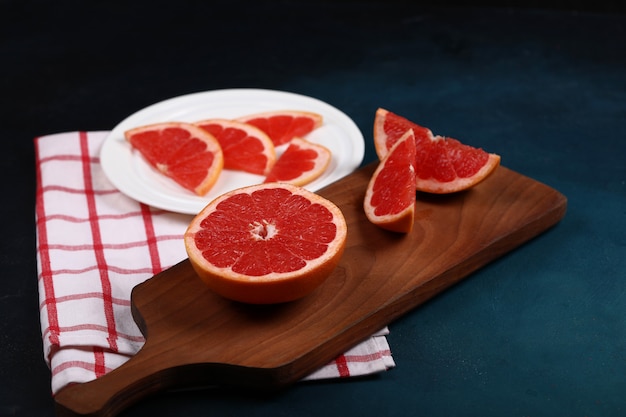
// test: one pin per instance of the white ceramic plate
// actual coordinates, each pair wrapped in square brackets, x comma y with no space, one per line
[132,175]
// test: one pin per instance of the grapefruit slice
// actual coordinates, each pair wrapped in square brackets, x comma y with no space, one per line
[443,165]
[245,147]
[190,156]
[266,243]
[283,125]
[389,128]
[301,163]
[390,196]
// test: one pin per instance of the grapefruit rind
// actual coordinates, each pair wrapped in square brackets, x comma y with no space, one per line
[275,287]
[289,170]
[399,158]
[167,168]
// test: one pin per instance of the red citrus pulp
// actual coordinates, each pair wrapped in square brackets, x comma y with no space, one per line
[266,243]
[245,147]
[187,154]
[301,163]
[443,165]
[283,125]
[390,196]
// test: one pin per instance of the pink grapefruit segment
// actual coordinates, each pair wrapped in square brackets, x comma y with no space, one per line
[185,153]
[245,147]
[443,165]
[283,125]
[389,128]
[390,196]
[266,243]
[449,166]
[301,163]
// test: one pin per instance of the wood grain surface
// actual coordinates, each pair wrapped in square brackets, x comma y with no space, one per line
[195,338]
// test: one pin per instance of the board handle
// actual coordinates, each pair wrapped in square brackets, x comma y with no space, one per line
[109,394]
[141,376]
[154,370]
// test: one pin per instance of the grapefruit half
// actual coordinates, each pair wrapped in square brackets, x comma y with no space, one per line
[266,243]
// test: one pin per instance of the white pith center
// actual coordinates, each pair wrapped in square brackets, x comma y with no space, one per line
[263,230]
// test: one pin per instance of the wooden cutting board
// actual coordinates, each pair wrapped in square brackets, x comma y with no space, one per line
[195,338]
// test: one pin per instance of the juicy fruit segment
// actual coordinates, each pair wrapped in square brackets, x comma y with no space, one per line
[301,163]
[389,128]
[266,243]
[245,147]
[443,165]
[449,166]
[390,196]
[187,154]
[283,125]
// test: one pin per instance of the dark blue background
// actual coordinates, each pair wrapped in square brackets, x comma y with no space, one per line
[539,332]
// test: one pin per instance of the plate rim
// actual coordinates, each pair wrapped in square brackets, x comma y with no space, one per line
[195,203]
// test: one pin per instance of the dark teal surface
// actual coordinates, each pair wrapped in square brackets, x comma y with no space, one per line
[539,332]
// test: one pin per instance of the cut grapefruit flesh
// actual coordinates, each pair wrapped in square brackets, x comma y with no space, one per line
[283,125]
[389,128]
[245,147]
[190,156]
[266,243]
[390,196]
[301,163]
[443,165]
[451,166]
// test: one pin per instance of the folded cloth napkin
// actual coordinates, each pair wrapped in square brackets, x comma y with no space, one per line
[94,244]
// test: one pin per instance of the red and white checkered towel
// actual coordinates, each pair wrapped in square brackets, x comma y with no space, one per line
[94,245]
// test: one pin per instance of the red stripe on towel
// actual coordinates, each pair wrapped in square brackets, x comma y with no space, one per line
[342,366]
[151,239]
[97,241]
[44,257]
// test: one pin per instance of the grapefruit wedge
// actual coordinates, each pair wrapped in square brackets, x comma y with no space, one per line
[390,196]
[283,125]
[245,147]
[187,154]
[443,165]
[266,243]
[301,163]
